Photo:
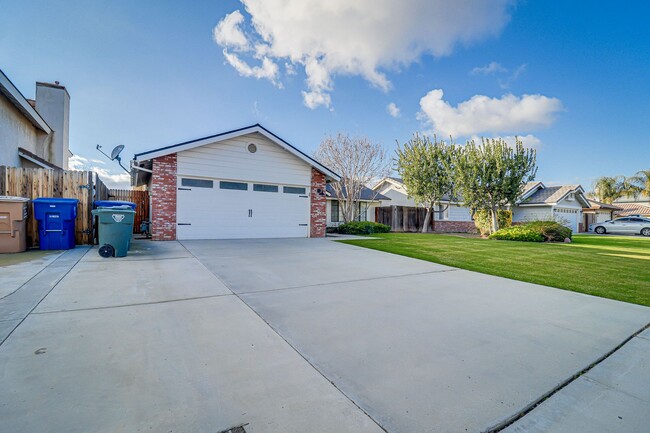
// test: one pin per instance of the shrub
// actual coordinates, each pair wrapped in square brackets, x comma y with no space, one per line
[483,220]
[518,233]
[551,230]
[363,228]
[534,231]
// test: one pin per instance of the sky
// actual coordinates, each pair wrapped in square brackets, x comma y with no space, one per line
[572,79]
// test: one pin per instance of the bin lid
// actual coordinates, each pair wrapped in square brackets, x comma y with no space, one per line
[13,198]
[114,203]
[113,209]
[55,200]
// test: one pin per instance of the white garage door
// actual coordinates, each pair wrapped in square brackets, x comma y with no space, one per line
[568,217]
[225,209]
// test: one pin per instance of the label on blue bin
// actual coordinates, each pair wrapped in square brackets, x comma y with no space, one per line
[118,217]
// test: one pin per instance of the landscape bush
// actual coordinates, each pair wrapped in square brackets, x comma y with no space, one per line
[362,228]
[518,233]
[483,220]
[534,231]
[552,231]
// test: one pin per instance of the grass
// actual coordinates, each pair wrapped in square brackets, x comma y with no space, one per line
[614,267]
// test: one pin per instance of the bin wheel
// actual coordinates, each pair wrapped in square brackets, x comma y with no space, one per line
[106,250]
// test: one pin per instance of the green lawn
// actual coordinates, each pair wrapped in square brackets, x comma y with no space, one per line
[615,267]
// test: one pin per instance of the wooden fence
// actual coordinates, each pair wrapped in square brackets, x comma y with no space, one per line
[32,183]
[403,218]
[141,200]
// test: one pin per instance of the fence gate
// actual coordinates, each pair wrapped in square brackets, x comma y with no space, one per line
[33,183]
[141,200]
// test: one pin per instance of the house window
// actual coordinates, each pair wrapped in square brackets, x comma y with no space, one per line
[363,211]
[197,183]
[335,211]
[240,186]
[265,188]
[293,190]
[442,212]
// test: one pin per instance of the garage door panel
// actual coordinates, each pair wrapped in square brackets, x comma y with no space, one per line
[214,213]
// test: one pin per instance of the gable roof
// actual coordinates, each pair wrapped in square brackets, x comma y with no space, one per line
[21,103]
[551,195]
[367,194]
[256,128]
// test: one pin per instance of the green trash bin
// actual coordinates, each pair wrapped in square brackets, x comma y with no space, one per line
[115,230]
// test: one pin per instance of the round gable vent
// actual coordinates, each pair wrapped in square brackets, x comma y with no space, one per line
[252,148]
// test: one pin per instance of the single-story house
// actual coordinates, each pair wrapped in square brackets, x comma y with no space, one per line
[369,200]
[563,203]
[598,212]
[244,183]
[34,133]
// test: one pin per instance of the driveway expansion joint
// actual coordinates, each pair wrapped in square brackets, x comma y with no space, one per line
[71,266]
[584,372]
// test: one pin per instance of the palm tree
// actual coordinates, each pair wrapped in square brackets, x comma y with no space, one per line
[641,182]
[608,188]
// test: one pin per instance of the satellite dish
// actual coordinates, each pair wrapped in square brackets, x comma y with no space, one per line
[115,154]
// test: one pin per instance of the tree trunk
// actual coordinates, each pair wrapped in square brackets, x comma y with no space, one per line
[495,220]
[427,219]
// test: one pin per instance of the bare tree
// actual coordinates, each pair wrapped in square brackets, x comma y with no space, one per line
[358,161]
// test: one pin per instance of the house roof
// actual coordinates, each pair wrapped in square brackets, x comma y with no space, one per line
[257,128]
[600,205]
[21,103]
[367,194]
[24,153]
[539,194]
[632,209]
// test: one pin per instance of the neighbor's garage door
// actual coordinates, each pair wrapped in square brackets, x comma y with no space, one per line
[568,217]
[220,209]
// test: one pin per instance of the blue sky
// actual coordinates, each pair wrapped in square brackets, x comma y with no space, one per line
[571,77]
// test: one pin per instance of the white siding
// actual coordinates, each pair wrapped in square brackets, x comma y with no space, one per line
[397,198]
[459,213]
[531,213]
[602,216]
[230,159]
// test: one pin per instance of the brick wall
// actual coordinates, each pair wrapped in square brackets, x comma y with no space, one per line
[163,198]
[455,227]
[318,219]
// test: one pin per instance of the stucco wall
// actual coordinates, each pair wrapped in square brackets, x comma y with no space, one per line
[16,131]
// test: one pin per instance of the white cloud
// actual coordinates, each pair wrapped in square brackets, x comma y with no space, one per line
[268,69]
[489,69]
[363,38]
[509,114]
[116,178]
[393,110]
[228,34]
[527,140]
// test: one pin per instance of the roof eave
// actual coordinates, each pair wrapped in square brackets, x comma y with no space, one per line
[14,95]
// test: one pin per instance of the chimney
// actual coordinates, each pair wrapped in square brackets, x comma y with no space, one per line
[53,104]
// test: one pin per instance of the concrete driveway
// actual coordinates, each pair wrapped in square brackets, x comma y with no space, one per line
[302,335]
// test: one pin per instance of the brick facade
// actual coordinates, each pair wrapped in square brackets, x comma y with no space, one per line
[318,205]
[163,198]
[455,227]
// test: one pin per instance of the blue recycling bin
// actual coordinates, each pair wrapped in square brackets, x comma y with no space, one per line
[56,222]
[113,203]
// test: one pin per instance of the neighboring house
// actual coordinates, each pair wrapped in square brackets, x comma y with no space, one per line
[455,218]
[369,200]
[640,199]
[244,183]
[626,209]
[563,203]
[598,212]
[34,133]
